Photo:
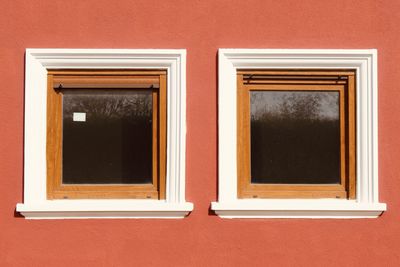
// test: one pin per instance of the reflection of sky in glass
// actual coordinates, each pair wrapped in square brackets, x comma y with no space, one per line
[315,104]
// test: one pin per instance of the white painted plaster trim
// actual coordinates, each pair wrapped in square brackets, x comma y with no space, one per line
[75,209]
[37,62]
[364,61]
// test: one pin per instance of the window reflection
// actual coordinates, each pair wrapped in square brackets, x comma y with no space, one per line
[295,137]
[113,144]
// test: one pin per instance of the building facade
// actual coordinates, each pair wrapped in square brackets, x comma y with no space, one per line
[202,238]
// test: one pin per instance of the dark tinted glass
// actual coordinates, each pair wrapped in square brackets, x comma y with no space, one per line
[107,136]
[295,137]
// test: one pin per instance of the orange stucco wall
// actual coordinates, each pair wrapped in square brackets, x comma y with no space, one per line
[202,239]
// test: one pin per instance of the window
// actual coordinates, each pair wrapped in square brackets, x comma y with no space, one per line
[297,134]
[104,134]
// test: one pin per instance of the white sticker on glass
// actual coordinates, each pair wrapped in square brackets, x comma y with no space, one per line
[79,116]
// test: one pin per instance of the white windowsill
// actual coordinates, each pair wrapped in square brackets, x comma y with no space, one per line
[85,209]
[297,208]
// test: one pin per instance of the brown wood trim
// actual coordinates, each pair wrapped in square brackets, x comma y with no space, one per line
[97,81]
[155,138]
[294,87]
[297,187]
[162,135]
[346,88]
[53,140]
[146,191]
[294,194]
[55,188]
[351,128]
[242,159]
[343,139]
[81,193]
[255,82]
[293,191]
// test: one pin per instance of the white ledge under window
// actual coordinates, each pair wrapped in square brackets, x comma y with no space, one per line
[38,61]
[86,209]
[366,204]
[297,208]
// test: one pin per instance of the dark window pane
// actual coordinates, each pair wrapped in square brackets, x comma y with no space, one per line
[295,137]
[107,136]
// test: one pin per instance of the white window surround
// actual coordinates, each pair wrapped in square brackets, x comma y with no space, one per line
[366,204]
[37,62]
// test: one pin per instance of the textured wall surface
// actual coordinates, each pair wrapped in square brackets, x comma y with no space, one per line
[201,27]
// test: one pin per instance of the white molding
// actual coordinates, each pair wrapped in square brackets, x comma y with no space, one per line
[97,209]
[37,62]
[298,208]
[364,61]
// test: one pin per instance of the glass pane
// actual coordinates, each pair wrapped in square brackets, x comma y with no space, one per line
[107,136]
[295,137]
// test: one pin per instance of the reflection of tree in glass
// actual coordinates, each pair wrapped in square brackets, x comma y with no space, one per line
[114,144]
[294,105]
[303,106]
[295,137]
[108,104]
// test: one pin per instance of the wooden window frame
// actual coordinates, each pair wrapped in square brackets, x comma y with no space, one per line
[341,81]
[156,81]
